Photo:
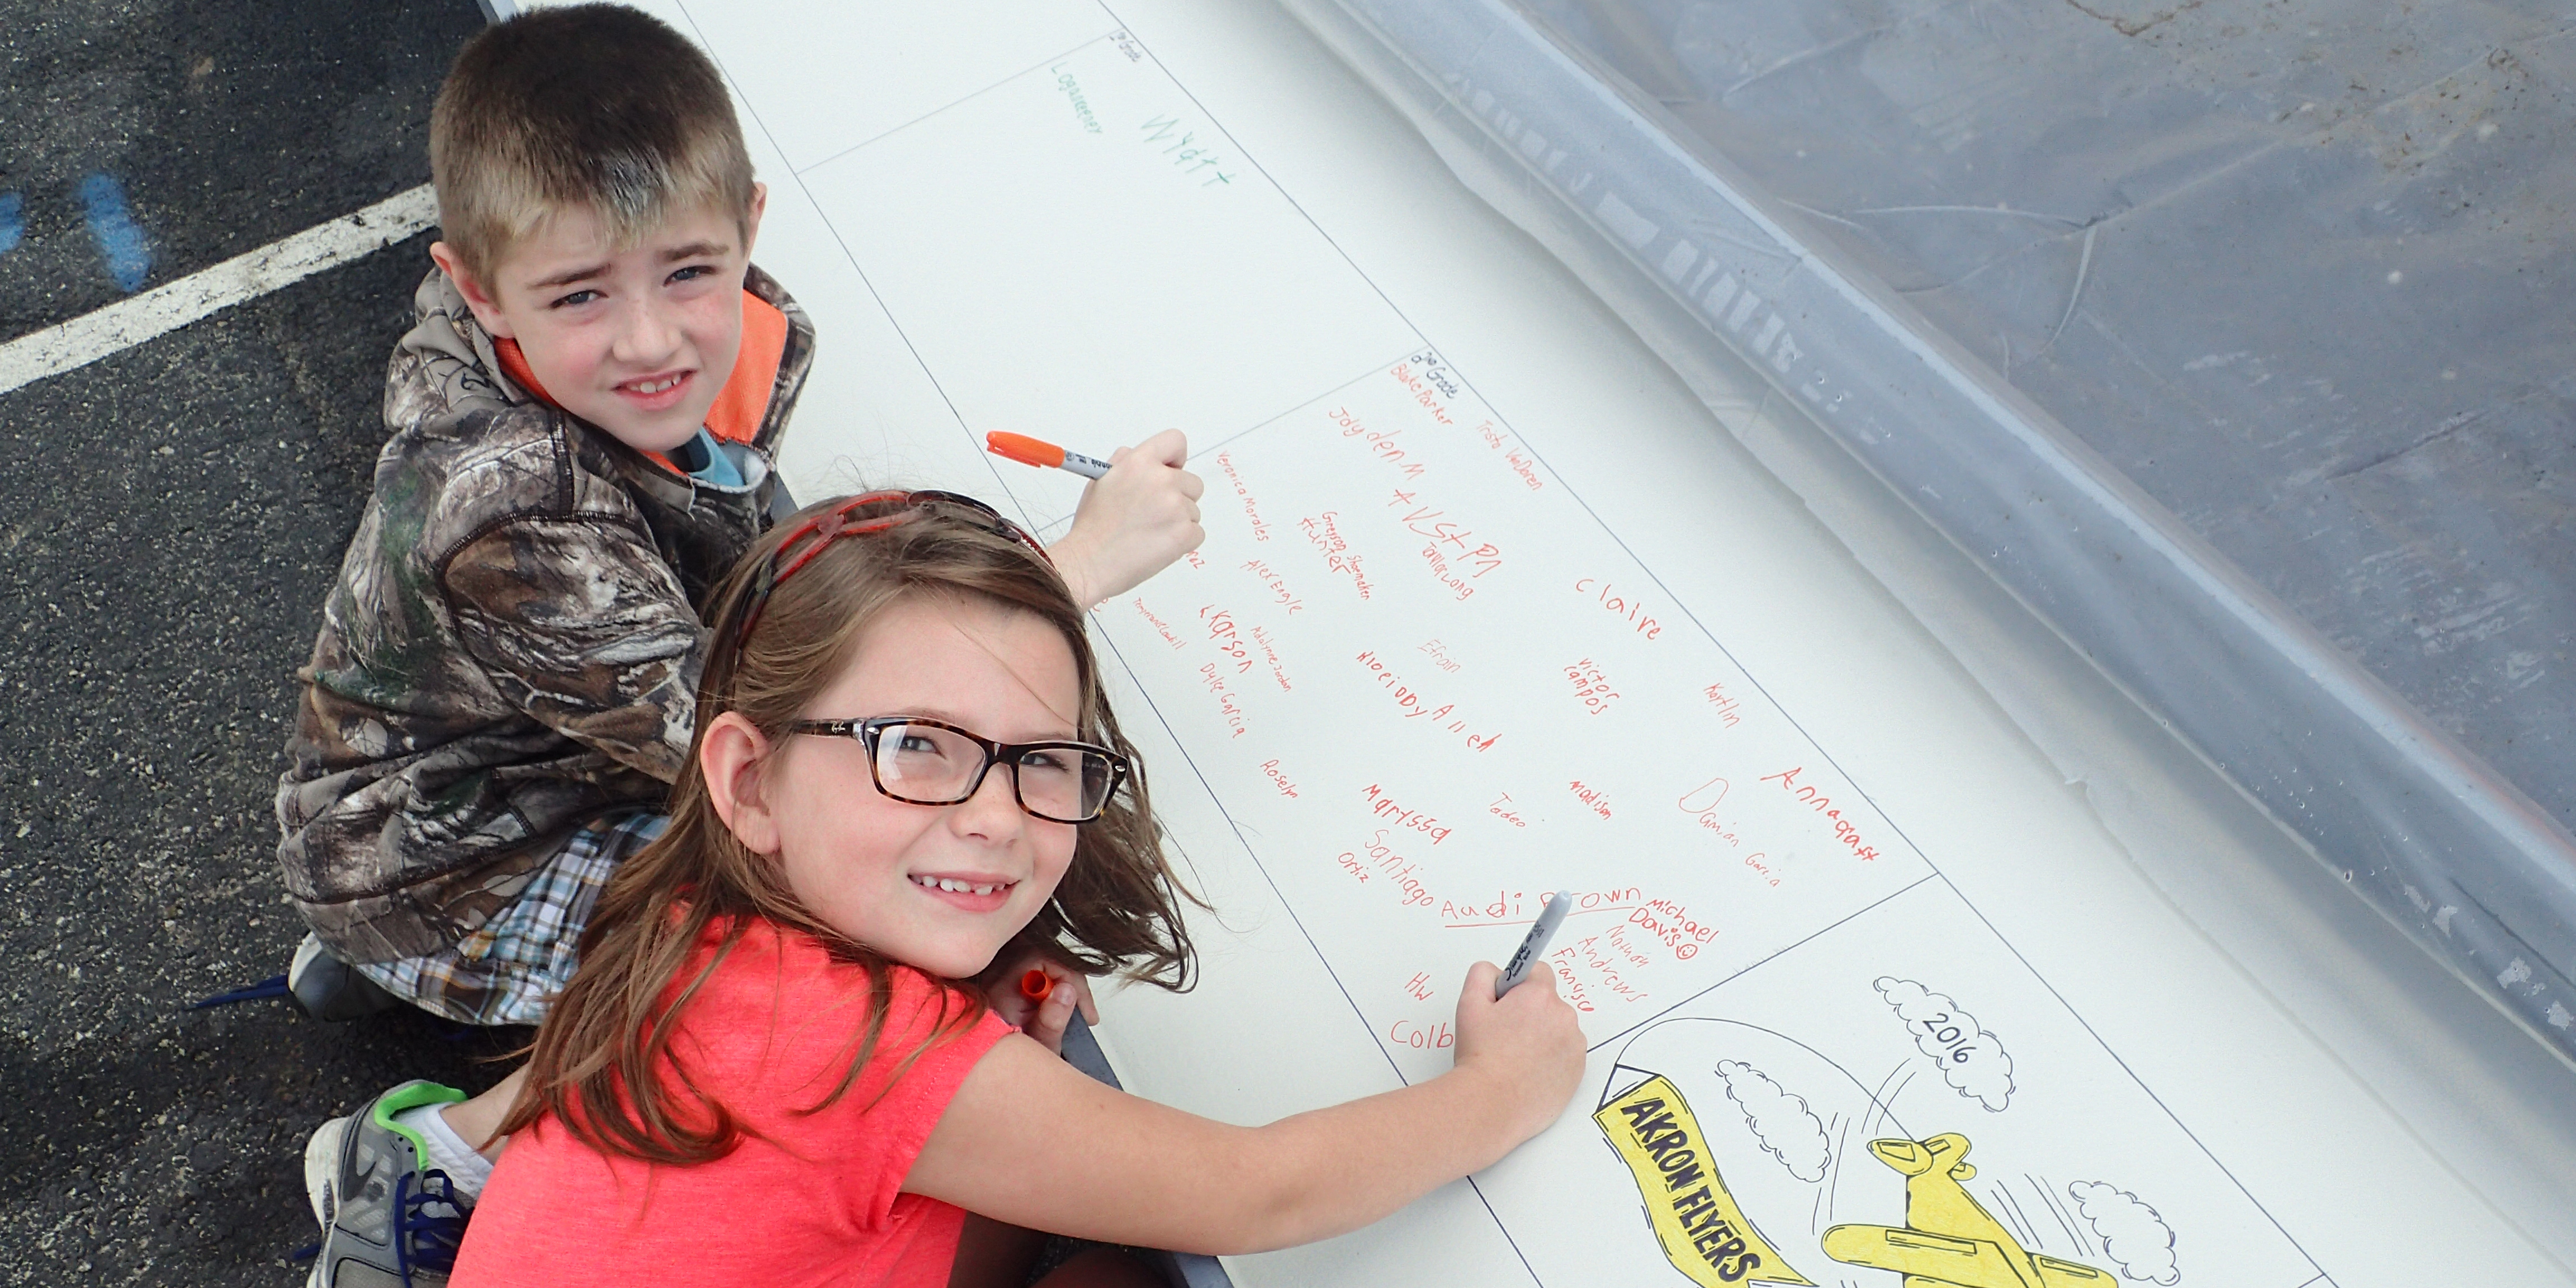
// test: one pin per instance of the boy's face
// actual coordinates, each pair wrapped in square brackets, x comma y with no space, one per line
[637,341]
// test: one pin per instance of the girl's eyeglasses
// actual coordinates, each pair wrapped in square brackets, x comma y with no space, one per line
[928,762]
[833,524]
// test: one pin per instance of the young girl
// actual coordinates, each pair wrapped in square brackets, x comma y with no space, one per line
[783,1060]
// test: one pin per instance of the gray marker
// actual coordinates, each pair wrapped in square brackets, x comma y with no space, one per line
[1535,943]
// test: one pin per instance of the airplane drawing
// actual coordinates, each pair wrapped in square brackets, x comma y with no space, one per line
[1948,1240]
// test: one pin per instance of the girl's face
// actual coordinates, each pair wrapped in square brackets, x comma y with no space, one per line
[873,867]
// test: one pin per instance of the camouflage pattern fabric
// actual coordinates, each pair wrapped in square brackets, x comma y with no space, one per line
[513,645]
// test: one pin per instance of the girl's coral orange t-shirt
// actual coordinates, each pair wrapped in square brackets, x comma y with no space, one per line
[808,1198]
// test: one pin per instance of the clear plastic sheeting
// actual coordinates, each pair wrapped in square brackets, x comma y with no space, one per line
[2300,271]
[2222,334]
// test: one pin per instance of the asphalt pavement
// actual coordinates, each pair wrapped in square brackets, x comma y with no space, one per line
[170,519]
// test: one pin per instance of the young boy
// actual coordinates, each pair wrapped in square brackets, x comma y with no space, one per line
[584,423]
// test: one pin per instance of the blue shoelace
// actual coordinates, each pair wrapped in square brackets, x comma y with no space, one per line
[273,986]
[422,1238]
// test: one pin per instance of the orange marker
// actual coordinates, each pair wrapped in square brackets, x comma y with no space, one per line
[1036,985]
[1044,455]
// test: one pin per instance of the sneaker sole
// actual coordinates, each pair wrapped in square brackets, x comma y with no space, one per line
[321,1170]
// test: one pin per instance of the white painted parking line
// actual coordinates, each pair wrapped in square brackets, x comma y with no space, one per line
[67,346]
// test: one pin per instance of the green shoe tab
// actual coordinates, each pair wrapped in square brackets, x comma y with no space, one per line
[411,1095]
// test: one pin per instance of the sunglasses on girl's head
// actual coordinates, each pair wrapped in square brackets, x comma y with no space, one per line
[932,762]
[836,523]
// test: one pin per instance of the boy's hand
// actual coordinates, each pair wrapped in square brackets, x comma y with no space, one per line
[1133,521]
[1046,1021]
[1528,1044]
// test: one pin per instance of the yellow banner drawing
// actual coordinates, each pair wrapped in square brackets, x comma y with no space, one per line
[1703,1232]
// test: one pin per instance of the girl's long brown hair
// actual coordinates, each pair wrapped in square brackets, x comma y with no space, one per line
[603,1063]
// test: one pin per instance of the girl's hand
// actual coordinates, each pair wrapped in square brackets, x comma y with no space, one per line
[1133,521]
[1046,1021]
[1029,1140]
[1528,1044]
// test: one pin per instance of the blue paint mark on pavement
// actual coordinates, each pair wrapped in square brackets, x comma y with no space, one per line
[120,240]
[13,221]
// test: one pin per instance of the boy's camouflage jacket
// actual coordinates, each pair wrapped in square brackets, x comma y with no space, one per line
[513,646]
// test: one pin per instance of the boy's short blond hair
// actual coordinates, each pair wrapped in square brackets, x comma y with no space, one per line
[596,107]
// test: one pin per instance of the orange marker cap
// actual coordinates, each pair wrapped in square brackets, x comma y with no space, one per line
[1036,984]
[1024,449]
